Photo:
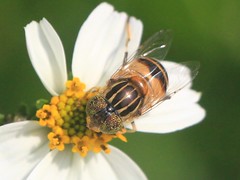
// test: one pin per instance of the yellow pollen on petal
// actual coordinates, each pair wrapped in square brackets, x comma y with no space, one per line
[120,136]
[75,87]
[100,142]
[54,100]
[45,116]
[57,139]
[66,116]
[81,145]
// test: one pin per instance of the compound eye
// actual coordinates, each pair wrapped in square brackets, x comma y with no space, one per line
[112,124]
[94,105]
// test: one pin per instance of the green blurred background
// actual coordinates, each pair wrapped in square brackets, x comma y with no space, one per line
[207,31]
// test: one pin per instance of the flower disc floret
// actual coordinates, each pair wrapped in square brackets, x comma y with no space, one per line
[65,115]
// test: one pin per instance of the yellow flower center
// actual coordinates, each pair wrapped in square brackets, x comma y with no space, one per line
[65,115]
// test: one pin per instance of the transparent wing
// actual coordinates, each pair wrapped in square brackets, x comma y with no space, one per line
[156,46]
[179,76]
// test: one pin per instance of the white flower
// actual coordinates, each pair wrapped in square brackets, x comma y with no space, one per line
[99,50]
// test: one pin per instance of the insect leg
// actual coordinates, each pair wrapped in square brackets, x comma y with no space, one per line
[124,130]
[134,128]
[127,42]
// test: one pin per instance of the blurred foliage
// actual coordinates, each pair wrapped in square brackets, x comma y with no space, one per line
[2,119]
[206,31]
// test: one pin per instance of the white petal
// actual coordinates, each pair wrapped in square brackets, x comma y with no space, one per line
[92,167]
[179,112]
[123,166]
[55,165]
[116,61]
[68,165]
[22,146]
[97,42]
[114,166]
[47,55]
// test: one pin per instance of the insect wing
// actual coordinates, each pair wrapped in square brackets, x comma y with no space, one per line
[156,46]
[179,76]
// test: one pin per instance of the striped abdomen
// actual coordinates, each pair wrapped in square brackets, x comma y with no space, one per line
[146,81]
[157,73]
[125,97]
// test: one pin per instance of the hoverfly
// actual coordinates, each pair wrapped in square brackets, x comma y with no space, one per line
[139,85]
